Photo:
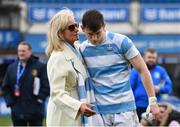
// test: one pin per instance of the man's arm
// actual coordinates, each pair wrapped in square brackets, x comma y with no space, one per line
[167,86]
[141,67]
[44,87]
[7,90]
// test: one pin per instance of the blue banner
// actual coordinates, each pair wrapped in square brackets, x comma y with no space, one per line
[160,13]
[112,12]
[9,38]
[162,43]
[37,41]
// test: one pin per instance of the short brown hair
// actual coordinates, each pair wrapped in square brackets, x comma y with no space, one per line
[151,50]
[27,44]
[93,20]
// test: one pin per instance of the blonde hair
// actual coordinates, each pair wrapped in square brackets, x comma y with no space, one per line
[58,23]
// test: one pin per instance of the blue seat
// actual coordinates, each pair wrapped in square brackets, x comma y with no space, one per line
[160,1]
[79,1]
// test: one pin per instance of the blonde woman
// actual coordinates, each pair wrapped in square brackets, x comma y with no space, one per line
[64,107]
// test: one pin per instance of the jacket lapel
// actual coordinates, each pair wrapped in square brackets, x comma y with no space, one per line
[76,62]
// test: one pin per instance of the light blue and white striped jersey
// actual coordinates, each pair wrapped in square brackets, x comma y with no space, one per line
[109,68]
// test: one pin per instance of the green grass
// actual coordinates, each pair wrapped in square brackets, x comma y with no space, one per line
[5,121]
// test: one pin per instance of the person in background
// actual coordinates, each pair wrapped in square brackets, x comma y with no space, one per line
[25,88]
[161,81]
[176,81]
[64,68]
[167,117]
[108,57]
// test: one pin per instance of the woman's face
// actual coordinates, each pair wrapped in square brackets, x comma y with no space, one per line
[70,34]
[162,111]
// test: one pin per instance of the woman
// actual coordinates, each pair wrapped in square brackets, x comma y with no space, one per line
[167,116]
[64,106]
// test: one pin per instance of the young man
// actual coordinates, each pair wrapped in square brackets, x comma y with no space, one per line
[108,56]
[161,81]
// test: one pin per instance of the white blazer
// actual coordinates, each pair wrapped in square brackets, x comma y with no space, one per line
[64,104]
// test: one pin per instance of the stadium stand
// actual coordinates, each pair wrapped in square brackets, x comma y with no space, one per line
[159,1]
[149,23]
[78,1]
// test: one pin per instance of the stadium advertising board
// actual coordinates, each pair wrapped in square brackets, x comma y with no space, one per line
[162,43]
[160,13]
[9,38]
[37,41]
[112,12]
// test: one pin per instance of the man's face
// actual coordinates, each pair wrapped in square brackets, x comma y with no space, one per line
[24,53]
[150,58]
[95,37]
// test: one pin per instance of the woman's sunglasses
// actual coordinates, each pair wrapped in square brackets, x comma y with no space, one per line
[72,27]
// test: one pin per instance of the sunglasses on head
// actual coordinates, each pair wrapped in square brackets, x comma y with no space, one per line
[72,27]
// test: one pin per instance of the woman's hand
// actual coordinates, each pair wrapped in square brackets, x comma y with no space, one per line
[86,110]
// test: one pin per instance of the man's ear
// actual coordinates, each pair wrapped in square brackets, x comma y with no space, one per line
[83,28]
[104,27]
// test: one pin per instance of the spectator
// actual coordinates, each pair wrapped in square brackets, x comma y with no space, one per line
[25,88]
[167,117]
[161,81]
[108,56]
[177,81]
